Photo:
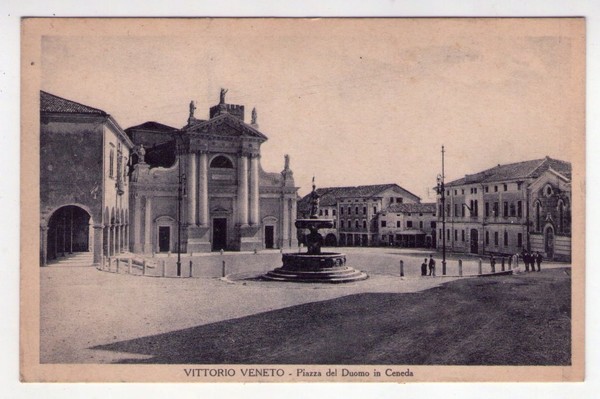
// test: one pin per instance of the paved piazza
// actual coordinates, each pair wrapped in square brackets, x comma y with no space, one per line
[82,307]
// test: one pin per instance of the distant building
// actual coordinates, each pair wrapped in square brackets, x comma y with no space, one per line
[356,212]
[84,190]
[408,225]
[510,208]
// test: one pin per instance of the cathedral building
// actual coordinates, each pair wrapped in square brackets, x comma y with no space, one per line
[227,201]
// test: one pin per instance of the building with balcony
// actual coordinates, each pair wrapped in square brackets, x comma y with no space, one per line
[510,208]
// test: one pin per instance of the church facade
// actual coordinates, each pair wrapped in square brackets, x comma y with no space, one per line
[215,196]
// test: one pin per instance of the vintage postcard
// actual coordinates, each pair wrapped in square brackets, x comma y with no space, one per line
[316,200]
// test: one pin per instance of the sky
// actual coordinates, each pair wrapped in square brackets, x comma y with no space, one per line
[352,101]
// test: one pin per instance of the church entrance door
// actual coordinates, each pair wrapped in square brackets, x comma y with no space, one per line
[164,239]
[219,241]
[269,236]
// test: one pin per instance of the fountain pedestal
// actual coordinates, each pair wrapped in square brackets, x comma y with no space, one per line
[315,266]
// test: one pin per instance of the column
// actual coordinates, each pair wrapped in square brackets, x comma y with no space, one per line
[203,190]
[293,213]
[191,189]
[148,226]
[98,243]
[108,241]
[43,245]
[137,225]
[285,228]
[254,190]
[113,240]
[127,246]
[242,194]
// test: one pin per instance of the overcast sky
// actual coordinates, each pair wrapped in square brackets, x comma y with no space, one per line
[352,102]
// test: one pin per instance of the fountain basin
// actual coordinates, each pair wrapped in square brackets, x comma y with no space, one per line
[326,267]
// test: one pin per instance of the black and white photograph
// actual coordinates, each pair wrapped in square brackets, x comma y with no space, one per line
[296,199]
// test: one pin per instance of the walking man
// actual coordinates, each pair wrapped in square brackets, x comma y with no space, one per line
[526,260]
[538,260]
[424,267]
[493,263]
[431,266]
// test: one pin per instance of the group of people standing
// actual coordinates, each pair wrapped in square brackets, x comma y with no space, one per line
[426,264]
[531,259]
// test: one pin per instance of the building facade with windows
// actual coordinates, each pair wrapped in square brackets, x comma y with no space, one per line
[408,225]
[504,210]
[84,189]
[228,202]
[356,212]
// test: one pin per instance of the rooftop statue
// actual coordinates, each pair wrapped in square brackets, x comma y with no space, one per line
[222,96]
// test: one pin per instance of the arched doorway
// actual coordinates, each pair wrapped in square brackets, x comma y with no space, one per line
[68,232]
[330,240]
[474,241]
[549,241]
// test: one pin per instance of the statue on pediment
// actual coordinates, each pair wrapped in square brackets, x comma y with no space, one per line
[222,96]
[254,116]
[192,109]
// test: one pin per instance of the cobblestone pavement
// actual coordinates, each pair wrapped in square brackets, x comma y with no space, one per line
[82,307]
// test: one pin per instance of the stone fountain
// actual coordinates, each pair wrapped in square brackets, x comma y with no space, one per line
[315,266]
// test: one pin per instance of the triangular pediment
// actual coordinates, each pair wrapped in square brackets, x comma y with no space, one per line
[225,125]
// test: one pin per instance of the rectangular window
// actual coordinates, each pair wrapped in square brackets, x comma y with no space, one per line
[496,238]
[420,224]
[519,186]
[342,224]
[365,224]
[463,191]
[326,212]
[341,210]
[455,192]
[399,200]
[374,210]
[356,224]
[349,211]
[519,209]
[462,235]
[398,224]
[111,165]
[487,209]
[472,208]
[487,189]
[505,238]
[409,224]
[505,209]
[356,210]
[462,211]
[475,190]
[476,208]
[448,234]
[455,235]
[487,238]
[496,209]
[364,210]
[495,189]
[505,187]
[320,212]
[383,223]
[333,212]
[432,225]
[448,209]
[334,224]
[455,209]
[520,240]
[513,210]
[391,200]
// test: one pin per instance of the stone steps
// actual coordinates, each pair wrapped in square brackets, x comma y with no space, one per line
[77,259]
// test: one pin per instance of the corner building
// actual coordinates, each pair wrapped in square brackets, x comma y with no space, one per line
[228,201]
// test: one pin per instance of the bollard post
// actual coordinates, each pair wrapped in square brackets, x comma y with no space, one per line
[503,263]
[129,265]
[480,266]
[401,268]
[118,263]
[223,271]
[164,268]
[460,267]
[144,268]
[191,268]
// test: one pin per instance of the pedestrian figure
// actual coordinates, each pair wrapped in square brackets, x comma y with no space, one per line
[510,262]
[538,259]
[493,263]
[526,260]
[431,266]
[529,262]
[517,268]
[424,267]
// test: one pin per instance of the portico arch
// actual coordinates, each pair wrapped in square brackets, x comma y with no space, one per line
[68,231]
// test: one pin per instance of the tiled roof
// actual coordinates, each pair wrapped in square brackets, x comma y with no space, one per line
[51,103]
[329,195]
[152,126]
[519,170]
[428,207]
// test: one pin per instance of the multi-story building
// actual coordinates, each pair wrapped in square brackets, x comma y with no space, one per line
[509,208]
[356,212]
[84,190]
[408,225]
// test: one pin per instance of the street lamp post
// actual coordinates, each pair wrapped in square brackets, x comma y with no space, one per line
[442,191]
[181,177]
